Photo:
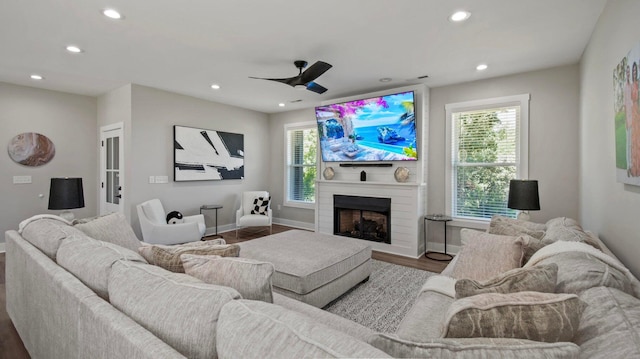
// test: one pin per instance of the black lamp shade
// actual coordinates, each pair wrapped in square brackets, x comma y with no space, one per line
[523,195]
[66,193]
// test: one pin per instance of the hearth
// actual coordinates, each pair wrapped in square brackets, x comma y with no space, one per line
[366,218]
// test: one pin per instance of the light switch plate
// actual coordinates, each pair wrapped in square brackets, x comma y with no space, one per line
[162,179]
[152,179]
[21,179]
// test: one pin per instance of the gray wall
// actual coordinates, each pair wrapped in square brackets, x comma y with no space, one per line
[70,122]
[114,107]
[553,139]
[288,215]
[607,207]
[154,112]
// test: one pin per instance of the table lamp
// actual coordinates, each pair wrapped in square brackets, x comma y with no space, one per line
[66,193]
[523,196]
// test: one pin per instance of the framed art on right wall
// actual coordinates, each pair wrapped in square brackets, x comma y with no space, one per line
[627,117]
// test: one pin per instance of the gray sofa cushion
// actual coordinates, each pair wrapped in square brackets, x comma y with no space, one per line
[90,260]
[47,233]
[610,324]
[567,229]
[424,319]
[473,348]
[179,309]
[112,228]
[253,329]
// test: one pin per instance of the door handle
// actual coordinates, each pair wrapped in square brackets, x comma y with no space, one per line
[118,196]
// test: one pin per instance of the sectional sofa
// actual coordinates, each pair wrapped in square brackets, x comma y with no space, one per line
[547,291]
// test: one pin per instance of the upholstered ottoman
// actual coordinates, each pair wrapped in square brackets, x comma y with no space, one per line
[311,267]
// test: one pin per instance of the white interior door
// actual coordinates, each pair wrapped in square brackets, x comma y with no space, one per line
[111,174]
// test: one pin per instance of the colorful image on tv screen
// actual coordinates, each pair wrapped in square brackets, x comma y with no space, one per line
[375,129]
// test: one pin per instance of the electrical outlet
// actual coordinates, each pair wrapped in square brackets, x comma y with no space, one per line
[152,179]
[162,179]
[279,207]
[21,179]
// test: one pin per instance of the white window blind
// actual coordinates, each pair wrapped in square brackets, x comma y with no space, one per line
[301,164]
[486,152]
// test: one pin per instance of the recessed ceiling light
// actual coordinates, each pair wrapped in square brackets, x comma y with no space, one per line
[215,87]
[112,14]
[74,49]
[281,104]
[481,67]
[385,79]
[459,16]
[36,77]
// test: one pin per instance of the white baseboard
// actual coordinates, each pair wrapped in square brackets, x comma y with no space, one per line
[439,247]
[2,247]
[295,224]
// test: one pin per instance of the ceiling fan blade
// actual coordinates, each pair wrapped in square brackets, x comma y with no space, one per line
[312,86]
[314,71]
[287,81]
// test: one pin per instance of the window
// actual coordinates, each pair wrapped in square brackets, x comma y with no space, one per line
[488,146]
[302,141]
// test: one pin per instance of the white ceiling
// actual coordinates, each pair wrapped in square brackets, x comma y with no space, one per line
[185,46]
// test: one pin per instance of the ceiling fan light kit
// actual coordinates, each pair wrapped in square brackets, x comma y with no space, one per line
[305,78]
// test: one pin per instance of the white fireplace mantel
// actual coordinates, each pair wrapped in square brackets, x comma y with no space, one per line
[407,211]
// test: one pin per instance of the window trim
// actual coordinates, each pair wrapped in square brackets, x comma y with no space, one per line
[293,127]
[522,150]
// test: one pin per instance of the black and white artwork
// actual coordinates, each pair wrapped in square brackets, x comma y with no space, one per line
[204,155]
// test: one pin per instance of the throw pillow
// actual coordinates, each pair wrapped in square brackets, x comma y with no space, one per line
[146,249]
[112,228]
[472,348]
[484,255]
[174,217]
[515,227]
[251,278]
[543,317]
[538,278]
[261,206]
[168,257]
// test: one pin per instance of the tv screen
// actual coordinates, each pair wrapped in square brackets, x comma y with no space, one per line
[380,128]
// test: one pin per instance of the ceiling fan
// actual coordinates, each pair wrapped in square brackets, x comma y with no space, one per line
[305,79]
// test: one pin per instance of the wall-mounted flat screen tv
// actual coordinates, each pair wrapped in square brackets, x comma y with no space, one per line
[380,128]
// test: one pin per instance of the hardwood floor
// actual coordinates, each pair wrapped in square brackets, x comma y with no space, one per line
[11,346]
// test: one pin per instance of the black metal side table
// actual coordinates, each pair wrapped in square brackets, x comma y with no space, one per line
[444,256]
[216,207]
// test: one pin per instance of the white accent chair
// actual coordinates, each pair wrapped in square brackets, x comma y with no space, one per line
[244,218]
[153,223]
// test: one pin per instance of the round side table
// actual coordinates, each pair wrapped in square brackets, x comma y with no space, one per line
[441,256]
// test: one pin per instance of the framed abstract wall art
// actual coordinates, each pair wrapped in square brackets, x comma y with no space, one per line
[205,155]
[627,117]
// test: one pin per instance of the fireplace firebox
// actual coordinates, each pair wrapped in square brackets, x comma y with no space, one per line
[366,218]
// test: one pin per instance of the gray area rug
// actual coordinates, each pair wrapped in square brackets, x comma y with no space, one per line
[382,302]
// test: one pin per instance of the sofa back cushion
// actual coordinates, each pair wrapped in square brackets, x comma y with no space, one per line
[47,232]
[112,228]
[610,324]
[90,260]
[177,308]
[254,329]
[567,229]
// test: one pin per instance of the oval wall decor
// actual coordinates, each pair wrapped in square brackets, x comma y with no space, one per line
[31,149]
